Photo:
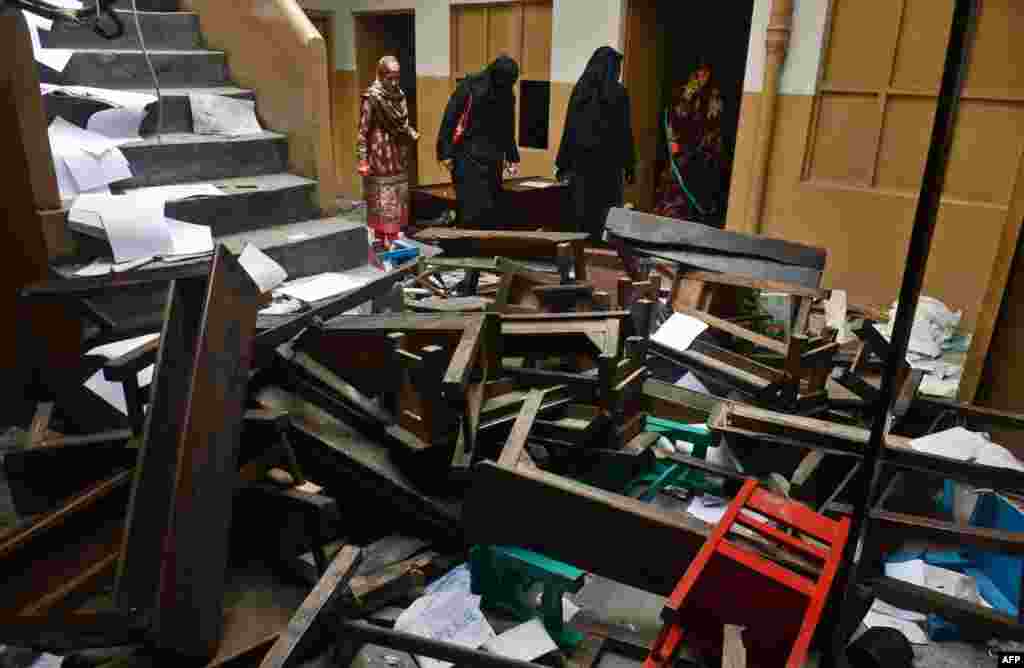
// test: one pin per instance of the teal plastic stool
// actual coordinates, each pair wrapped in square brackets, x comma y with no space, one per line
[503,576]
[675,474]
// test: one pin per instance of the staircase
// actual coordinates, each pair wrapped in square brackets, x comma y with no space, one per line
[262,203]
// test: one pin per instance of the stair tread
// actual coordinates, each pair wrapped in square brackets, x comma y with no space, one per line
[152,52]
[278,235]
[263,183]
[192,138]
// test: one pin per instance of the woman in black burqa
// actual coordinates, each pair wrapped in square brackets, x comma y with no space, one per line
[477,139]
[597,144]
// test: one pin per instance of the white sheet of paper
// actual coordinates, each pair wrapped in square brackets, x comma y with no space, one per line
[911,571]
[536,184]
[67,135]
[65,181]
[452,616]
[222,115]
[118,348]
[883,608]
[836,317]
[91,173]
[320,286]
[525,642]
[56,59]
[113,393]
[46,660]
[458,579]
[692,383]
[569,609]
[135,225]
[993,454]
[955,443]
[708,508]
[121,124]
[189,238]
[116,98]
[914,633]
[262,269]
[679,331]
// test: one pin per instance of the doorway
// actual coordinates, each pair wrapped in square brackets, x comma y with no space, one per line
[389,34]
[666,41]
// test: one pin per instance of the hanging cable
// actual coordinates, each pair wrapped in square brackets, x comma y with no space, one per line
[152,74]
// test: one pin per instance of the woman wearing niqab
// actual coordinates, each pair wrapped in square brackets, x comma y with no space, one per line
[477,140]
[597,152]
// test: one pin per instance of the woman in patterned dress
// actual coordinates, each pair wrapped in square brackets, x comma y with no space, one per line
[694,184]
[383,144]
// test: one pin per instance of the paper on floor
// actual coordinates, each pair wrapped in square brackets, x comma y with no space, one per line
[536,184]
[525,642]
[708,508]
[222,115]
[321,286]
[122,347]
[690,382]
[883,608]
[679,331]
[91,173]
[451,616]
[458,579]
[914,633]
[120,125]
[955,443]
[263,271]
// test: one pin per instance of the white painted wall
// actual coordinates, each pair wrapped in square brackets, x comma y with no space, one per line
[800,73]
[578,28]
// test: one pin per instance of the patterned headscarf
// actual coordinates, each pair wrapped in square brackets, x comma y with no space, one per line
[389,99]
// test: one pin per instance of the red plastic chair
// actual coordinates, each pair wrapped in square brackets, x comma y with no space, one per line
[729,583]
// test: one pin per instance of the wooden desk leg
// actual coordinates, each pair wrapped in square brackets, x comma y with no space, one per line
[581,262]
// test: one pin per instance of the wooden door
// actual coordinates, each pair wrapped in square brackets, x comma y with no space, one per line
[642,63]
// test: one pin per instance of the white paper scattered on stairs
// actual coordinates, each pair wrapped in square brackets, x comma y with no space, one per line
[121,124]
[264,272]
[223,115]
[111,96]
[84,160]
[134,223]
[55,59]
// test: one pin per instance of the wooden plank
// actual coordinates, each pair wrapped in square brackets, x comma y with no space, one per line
[646,228]
[286,650]
[914,526]
[735,264]
[72,632]
[975,620]
[750,282]
[734,329]
[464,358]
[543,505]
[172,549]
[516,443]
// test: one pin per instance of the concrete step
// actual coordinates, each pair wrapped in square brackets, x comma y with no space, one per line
[177,114]
[160,30]
[184,158]
[126,68]
[303,249]
[250,203]
[310,247]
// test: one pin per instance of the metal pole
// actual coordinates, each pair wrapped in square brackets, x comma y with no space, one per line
[435,649]
[960,38]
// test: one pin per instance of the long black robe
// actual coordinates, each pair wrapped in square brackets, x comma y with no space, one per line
[597,147]
[488,142]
